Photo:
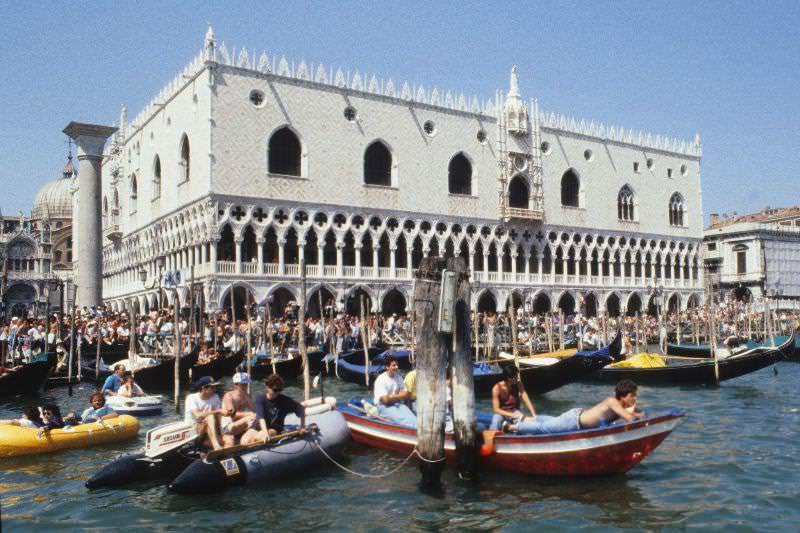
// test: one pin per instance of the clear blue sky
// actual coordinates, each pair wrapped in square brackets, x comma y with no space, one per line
[728,70]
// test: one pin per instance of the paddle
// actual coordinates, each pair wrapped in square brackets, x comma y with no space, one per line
[271,441]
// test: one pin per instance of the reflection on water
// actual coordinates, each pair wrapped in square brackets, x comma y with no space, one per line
[733,462]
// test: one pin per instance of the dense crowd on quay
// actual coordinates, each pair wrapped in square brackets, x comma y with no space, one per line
[23,337]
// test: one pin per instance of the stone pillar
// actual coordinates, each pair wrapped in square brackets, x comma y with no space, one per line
[375,260]
[321,258]
[260,254]
[281,257]
[213,249]
[339,259]
[357,254]
[238,242]
[392,261]
[90,140]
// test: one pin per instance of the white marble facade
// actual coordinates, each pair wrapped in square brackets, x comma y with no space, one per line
[242,164]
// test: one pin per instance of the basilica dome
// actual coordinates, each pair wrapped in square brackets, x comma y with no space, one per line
[54,200]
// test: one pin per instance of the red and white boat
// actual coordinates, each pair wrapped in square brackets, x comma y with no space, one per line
[611,449]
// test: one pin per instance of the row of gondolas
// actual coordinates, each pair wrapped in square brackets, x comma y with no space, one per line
[173,456]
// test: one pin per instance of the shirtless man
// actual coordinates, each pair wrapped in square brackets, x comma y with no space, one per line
[620,406]
[238,403]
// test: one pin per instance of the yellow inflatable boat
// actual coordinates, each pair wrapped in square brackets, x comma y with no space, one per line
[16,440]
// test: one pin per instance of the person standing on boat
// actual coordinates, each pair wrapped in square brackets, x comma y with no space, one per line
[507,396]
[203,409]
[390,395]
[241,408]
[271,410]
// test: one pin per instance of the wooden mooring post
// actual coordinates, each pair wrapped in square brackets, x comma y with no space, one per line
[443,332]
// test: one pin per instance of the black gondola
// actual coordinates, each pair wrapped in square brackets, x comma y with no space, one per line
[220,367]
[109,353]
[285,367]
[159,376]
[29,378]
[701,372]
[351,364]
[543,379]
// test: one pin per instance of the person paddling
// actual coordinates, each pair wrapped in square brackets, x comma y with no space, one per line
[271,410]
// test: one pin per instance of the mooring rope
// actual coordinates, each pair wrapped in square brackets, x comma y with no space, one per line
[378,476]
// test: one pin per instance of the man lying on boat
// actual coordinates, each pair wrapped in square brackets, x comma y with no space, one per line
[271,410]
[620,406]
[238,403]
[390,395]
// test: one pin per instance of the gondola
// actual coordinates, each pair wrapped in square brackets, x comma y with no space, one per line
[704,350]
[702,372]
[220,367]
[609,449]
[109,353]
[30,378]
[159,376]
[287,366]
[351,364]
[546,378]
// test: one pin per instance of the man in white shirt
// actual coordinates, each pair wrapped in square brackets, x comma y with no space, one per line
[390,395]
[204,410]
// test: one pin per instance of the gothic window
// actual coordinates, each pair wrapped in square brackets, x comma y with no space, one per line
[518,193]
[157,178]
[676,210]
[185,158]
[459,175]
[378,165]
[570,189]
[69,249]
[625,204]
[284,153]
[226,247]
[134,193]
[116,199]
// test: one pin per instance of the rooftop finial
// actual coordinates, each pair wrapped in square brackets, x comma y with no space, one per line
[210,45]
[513,91]
[69,168]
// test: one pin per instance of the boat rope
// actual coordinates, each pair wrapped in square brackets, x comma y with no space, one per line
[378,476]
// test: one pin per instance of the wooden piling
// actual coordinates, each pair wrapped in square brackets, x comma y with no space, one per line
[301,332]
[432,350]
[465,425]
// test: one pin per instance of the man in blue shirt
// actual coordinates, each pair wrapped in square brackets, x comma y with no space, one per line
[114,381]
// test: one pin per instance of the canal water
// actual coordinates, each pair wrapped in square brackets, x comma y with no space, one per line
[734,464]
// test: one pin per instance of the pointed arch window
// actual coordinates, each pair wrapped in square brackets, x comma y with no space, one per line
[459,175]
[134,194]
[518,193]
[156,178]
[677,210]
[625,205]
[185,162]
[378,165]
[570,189]
[284,153]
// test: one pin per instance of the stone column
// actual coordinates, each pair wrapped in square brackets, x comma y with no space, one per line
[238,242]
[321,258]
[393,261]
[375,260]
[260,254]
[212,248]
[90,140]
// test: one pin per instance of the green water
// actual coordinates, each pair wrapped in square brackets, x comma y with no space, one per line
[733,464]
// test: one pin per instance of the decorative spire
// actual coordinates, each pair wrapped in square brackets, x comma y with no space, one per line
[123,122]
[515,109]
[210,45]
[69,168]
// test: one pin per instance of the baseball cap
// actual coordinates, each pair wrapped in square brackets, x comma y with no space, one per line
[241,378]
[205,381]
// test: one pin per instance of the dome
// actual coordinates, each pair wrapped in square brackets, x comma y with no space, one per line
[53,200]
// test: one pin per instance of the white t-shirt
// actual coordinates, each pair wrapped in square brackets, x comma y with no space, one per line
[387,385]
[195,403]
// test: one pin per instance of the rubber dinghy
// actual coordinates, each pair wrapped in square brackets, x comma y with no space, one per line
[16,441]
[270,462]
[171,454]
[610,449]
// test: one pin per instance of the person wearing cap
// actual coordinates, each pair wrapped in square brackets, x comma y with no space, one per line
[242,411]
[204,410]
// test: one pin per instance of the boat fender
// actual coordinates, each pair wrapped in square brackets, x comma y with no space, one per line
[487,448]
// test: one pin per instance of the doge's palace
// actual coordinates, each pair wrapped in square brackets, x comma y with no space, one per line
[245,163]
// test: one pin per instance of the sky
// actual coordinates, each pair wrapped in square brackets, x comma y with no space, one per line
[727,70]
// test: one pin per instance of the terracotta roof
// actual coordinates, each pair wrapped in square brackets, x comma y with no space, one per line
[766,215]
